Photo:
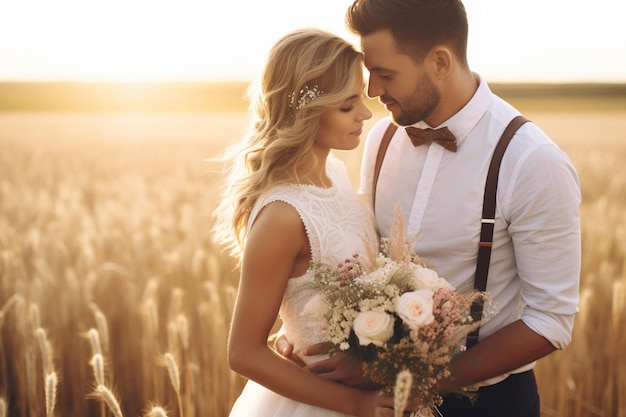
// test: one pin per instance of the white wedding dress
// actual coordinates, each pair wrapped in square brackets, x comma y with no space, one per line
[337,224]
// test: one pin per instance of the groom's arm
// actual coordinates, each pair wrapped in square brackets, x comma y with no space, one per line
[507,349]
[504,351]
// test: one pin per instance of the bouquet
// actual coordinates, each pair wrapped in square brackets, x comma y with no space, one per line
[393,313]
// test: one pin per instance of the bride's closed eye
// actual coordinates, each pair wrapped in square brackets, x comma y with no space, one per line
[347,109]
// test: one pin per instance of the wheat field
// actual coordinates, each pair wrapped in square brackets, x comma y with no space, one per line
[115,301]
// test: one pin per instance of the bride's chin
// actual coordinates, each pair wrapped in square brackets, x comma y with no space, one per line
[353,143]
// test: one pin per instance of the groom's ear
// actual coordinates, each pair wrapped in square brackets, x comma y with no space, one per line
[441,60]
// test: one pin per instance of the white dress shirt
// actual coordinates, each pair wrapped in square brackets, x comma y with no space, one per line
[535,261]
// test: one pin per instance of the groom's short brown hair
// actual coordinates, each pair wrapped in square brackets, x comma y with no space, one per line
[416,25]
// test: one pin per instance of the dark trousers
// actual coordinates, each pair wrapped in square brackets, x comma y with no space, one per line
[516,396]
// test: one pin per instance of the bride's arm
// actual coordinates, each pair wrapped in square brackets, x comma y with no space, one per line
[276,249]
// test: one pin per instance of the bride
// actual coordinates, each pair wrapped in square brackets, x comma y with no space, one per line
[288,202]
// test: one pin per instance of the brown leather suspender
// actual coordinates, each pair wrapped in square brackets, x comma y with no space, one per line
[488,222]
[382,150]
[489,209]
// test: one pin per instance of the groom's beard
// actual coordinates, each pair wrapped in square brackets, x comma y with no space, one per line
[420,104]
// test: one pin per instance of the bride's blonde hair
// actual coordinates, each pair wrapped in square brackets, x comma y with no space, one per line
[308,71]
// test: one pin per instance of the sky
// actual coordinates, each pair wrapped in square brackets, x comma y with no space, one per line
[214,40]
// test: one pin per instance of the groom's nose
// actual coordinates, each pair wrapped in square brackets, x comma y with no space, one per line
[374,89]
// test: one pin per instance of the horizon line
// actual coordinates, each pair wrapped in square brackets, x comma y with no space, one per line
[248,81]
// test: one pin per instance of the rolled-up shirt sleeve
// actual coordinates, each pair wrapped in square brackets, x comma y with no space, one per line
[544,225]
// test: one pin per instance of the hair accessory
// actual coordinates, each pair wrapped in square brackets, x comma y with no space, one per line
[306,95]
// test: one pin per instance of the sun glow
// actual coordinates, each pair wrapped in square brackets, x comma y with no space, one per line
[203,40]
[113,40]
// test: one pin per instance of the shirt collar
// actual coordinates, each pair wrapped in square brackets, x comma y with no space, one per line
[462,122]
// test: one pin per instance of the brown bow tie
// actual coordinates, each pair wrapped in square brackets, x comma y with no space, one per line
[441,136]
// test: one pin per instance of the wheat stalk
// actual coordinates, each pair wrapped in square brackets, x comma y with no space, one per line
[172,370]
[173,339]
[51,393]
[5,308]
[45,349]
[156,411]
[182,325]
[103,329]
[9,303]
[107,396]
[21,315]
[150,340]
[35,316]
[151,317]
[151,288]
[402,391]
[97,363]
[399,247]
[31,372]
[94,341]
[3,407]
[619,303]
[183,331]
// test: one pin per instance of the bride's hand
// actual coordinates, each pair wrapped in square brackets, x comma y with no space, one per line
[282,346]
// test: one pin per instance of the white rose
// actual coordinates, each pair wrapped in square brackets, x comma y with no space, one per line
[427,278]
[415,308]
[373,327]
[316,308]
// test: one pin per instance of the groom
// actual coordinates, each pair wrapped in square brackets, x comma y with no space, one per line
[415,51]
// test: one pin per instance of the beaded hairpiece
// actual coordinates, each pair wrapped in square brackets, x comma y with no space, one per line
[306,95]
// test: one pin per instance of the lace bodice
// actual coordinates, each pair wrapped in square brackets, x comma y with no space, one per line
[337,224]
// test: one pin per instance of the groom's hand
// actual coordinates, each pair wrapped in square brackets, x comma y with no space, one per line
[339,367]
